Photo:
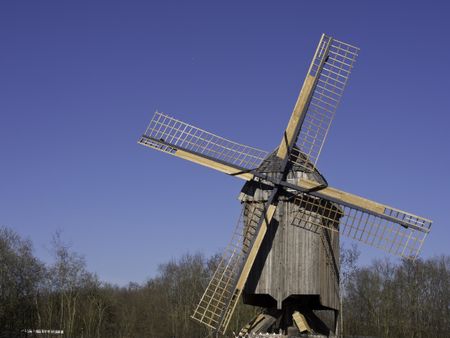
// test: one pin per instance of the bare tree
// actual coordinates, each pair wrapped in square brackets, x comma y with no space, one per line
[408,299]
[20,275]
[348,267]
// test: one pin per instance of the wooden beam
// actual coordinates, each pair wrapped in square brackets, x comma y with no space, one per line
[256,245]
[301,322]
[389,213]
[300,108]
[203,160]
[331,193]
[340,195]
[227,169]
[249,262]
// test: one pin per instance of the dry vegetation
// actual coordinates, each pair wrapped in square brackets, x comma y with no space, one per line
[383,299]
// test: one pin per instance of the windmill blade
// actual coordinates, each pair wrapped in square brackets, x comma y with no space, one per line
[220,298]
[298,114]
[174,137]
[319,97]
[332,80]
[360,219]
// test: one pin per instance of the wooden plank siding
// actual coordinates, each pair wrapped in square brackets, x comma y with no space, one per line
[294,259]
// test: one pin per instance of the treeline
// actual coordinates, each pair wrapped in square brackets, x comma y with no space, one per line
[411,299]
[383,299]
[65,296]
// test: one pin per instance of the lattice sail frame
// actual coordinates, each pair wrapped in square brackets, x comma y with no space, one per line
[333,76]
[386,234]
[167,134]
[220,294]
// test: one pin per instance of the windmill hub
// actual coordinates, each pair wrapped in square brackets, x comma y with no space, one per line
[284,252]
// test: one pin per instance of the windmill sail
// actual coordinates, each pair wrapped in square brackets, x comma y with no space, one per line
[174,137]
[338,62]
[219,300]
[394,231]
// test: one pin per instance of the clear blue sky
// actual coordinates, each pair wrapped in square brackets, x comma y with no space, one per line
[79,81]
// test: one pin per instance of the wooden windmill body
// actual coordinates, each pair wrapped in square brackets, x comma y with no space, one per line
[297,265]
[284,252]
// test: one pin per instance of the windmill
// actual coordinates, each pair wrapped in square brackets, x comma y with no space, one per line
[284,252]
